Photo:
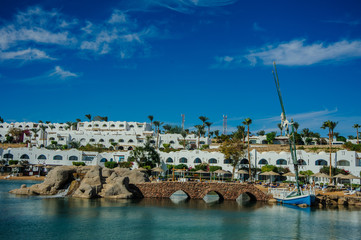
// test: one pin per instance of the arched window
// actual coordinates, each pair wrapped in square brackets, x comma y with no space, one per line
[104,125]
[51,139]
[131,126]
[89,125]
[263,162]
[96,125]
[183,160]
[201,142]
[121,125]
[111,140]
[24,156]
[244,161]
[281,162]
[120,148]
[112,125]
[169,160]
[343,163]
[8,155]
[57,157]
[92,140]
[101,140]
[321,162]
[121,140]
[42,156]
[301,162]
[152,141]
[103,160]
[130,141]
[227,161]
[73,158]
[212,160]
[130,148]
[171,142]
[197,160]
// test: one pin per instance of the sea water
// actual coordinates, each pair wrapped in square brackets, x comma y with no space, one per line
[36,217]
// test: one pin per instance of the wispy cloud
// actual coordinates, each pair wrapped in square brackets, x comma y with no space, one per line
[257,28]
[183,6]
[56,76]
[351,23]
[26,55]
[296,53]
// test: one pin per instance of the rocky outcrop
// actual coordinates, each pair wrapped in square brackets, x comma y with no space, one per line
[89,182]
[336,201]
[57,179]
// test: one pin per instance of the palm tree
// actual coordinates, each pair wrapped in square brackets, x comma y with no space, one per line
[69,125]
[203,119]
[150,117]
[157,125]
[280,126]
[209,124]
[296,125]
[88,116]
[248,122]
[1,120]
[331,126]
[184,135]
[200,130]
[43,133]
[357,127]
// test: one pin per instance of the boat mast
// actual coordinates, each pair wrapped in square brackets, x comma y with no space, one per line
[285,123]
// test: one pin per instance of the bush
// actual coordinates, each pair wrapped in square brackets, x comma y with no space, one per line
[13,162]
[214,168]
[79,163]
[125,164]
[110,164]
[352,147]
[181,166]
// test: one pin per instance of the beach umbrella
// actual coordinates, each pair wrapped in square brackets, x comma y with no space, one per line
[340,175]
[270,173]
[350,177]
[320,175]
[200,173]
[141,169]
[220,171]
[289,174]
[242,172]
[157,169]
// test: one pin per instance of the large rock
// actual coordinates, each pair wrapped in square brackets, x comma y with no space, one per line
[91,184]
[134,176]
[58,178]
[118,188]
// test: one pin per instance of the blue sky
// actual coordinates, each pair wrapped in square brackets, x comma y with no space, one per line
[60,60]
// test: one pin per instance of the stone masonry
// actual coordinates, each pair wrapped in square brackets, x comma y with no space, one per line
[197,190]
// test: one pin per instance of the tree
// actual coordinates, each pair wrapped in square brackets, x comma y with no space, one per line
[145,155]
[78,120]
[150,117]
[157,125]
[200,130]
[43,133]
[280,126]
[331,126]
[203,119]
[208,124]
[248,122]
[270,137]
[1,120]
[296,125]
[233,149]
[261,133]
[184,135]
[16,133]
[357,127]
[88,116]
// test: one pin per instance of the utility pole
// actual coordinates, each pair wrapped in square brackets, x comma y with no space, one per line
[224,124]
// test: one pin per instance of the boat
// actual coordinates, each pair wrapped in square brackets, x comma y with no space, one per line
[297,195]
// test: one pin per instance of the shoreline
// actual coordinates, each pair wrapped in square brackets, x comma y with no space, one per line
[32,178]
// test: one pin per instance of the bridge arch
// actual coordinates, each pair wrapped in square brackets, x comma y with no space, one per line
[218,191]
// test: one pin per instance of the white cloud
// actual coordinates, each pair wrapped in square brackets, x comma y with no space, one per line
[297,53]
[118,17]
[62,74]
[26,54]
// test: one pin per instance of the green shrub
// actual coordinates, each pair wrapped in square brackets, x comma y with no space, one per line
[125,164]
[110,164]
[214,168]
[79,163]
[13,162]
[181,166]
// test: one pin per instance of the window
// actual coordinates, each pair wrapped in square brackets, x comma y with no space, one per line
[51,139]
[121,140]
[301,162]
[281,162]
[96,125]
[112,125]
[101,140]
[321,162]
[263,162]
[103,160]
[73,158]
[92,140]
[42,156]
[244,161]
[212,160]
[88,158]
[111,140]
[121,125]
[89,125]
[183,160]
[227,161]
[171,142]
[201,142]
[197,160]
[24,156]
[130,148]
[120,148]
[130,141]
[169,160]
[104,125]
[343,163]
[8,155]
[57,157]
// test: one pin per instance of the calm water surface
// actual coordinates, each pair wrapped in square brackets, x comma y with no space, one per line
[66,218]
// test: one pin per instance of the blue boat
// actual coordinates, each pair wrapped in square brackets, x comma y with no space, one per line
[296,196]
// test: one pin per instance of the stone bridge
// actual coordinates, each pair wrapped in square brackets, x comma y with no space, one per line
[197,190]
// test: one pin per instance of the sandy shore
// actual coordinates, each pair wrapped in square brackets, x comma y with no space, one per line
[34,178]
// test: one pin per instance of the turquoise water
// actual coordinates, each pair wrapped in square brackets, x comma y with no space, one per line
[67,218]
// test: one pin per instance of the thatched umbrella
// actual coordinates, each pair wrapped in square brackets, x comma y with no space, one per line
[320,175]
[270,173]
[141,169]
[157,169]
[242,172]
[289,174]
[39,166]
[17,166]
[350,177]
[200,173]
[220,171]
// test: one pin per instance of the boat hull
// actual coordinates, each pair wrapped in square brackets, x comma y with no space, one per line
[295,200]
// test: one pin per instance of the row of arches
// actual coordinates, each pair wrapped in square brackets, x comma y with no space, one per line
[197,160]
[40,157]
